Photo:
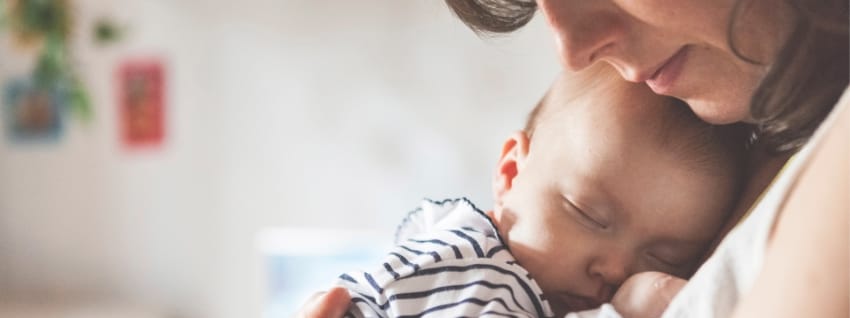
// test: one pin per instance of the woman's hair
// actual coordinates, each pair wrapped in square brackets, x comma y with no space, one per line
[493,16]
[806,79]
[802,85]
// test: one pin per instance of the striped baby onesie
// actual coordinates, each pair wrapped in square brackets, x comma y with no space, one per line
[449,262]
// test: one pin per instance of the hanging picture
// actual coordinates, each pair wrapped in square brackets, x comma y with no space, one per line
[141,93]
[33,112]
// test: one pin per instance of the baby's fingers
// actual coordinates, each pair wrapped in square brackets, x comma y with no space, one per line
[330,304]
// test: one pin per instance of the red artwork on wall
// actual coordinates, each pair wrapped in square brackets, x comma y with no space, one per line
[141,96]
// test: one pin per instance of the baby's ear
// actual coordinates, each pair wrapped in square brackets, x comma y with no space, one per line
[511,161]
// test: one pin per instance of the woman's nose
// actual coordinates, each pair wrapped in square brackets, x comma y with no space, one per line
[585,30]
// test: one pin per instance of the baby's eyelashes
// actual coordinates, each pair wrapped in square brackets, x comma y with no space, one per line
[588,218]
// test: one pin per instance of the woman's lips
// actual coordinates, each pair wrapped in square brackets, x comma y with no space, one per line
[664,79]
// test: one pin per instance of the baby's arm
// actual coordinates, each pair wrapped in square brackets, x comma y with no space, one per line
[445,278]
[647,294]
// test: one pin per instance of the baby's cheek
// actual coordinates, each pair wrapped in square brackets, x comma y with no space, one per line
[647,264]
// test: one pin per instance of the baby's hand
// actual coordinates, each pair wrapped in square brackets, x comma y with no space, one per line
[330,304]
[646,295]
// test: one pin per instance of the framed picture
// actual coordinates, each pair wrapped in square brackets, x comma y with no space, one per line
[33,112]
[141,97]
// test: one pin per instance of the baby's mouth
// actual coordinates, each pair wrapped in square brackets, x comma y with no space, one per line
[568,302]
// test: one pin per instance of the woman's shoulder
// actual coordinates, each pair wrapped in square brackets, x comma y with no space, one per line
[805,264]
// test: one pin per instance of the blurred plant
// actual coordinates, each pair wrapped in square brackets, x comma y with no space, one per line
[46,24]
[2,16]
[106,32]
[34,20]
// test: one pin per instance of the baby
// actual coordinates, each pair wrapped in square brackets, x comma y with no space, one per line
[606,180]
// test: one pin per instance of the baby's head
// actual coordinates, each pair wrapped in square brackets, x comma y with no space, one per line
[609,179]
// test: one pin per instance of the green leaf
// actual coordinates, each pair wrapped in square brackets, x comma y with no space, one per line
[106,32]
[80,102]
[43,17]
[53,62]
[4,18]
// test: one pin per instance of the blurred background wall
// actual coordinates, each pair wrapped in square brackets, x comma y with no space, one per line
[279,113]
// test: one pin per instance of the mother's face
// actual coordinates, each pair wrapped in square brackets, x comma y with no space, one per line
[679,48]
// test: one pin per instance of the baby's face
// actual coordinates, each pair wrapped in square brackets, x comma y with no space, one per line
[596,199]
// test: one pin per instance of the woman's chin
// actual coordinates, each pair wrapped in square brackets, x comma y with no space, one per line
[720,113]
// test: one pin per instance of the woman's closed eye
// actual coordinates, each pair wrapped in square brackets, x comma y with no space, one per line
[586,217]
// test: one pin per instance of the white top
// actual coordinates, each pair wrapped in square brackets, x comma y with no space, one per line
[449,262]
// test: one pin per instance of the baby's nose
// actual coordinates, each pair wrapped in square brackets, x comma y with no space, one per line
[612,267]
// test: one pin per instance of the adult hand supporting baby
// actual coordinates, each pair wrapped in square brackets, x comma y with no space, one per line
[330,304]
[646,295]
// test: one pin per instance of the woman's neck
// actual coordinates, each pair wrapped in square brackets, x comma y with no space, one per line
[762,168]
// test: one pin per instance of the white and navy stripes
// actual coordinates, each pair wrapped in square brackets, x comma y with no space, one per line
[460,268]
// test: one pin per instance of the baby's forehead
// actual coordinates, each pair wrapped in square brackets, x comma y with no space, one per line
[609,106]
[604,108]
[599,94]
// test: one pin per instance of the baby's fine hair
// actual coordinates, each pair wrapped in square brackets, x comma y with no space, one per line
[717,150]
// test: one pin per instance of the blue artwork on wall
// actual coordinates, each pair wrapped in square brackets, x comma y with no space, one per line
[33,113]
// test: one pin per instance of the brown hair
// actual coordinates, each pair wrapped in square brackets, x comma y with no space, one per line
[808,76]
[804,82]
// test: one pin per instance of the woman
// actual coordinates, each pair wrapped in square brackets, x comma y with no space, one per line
[778,66]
